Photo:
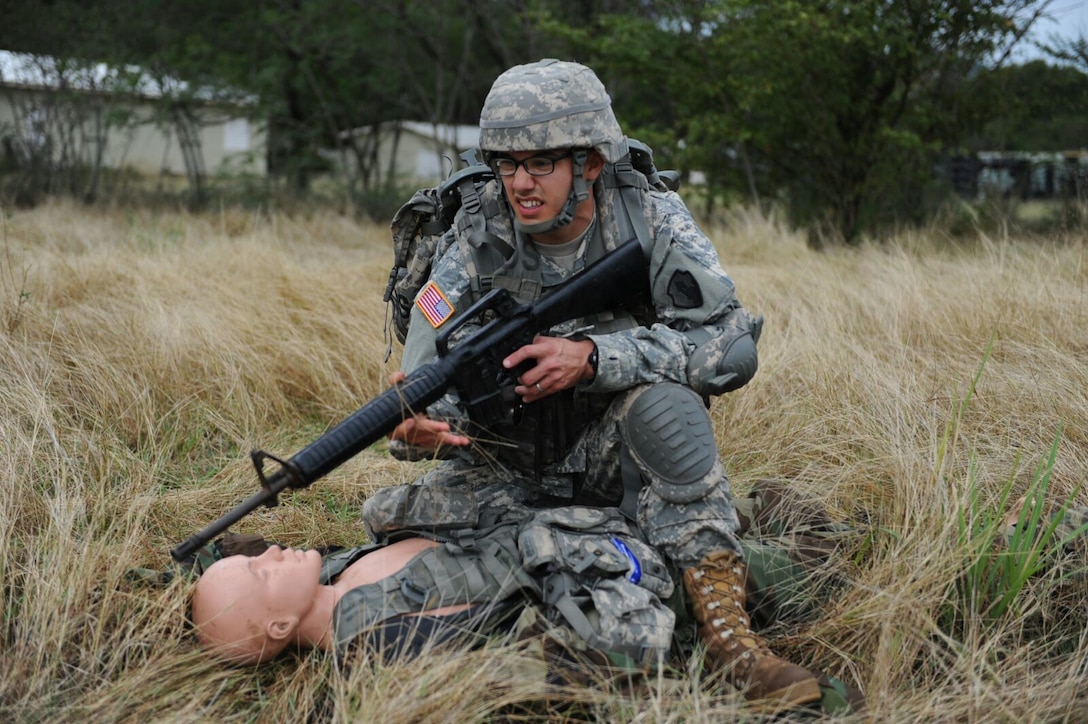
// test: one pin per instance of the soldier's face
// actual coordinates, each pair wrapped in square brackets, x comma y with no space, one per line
[535,198]
[538,198]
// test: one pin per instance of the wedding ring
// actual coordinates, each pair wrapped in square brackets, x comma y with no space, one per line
[539,388]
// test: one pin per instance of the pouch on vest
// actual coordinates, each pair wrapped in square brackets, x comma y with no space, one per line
[418,228]
[593,543]
[630,624]
[601,581]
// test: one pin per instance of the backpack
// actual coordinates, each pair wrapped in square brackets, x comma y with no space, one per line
[419,227]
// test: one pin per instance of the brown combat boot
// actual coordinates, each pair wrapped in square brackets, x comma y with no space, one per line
[716,587]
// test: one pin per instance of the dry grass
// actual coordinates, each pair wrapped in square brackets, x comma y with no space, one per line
[145,355]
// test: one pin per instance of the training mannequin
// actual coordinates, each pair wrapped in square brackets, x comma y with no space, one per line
[249,609]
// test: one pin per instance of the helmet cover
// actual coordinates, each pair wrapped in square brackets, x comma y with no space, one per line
[550,104]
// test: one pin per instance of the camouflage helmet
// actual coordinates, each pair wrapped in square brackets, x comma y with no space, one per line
[550,104]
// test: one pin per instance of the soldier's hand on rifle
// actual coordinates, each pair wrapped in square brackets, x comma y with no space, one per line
[421,431]
[559,363]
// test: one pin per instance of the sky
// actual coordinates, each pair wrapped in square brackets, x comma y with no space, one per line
[1068,19]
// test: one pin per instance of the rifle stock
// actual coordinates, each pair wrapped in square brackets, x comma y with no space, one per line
[618,280]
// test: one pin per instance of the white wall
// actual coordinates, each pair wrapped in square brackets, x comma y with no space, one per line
[227,139]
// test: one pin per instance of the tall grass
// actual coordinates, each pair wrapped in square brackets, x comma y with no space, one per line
[918,387]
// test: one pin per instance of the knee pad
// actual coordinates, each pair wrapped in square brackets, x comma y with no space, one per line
[669,434]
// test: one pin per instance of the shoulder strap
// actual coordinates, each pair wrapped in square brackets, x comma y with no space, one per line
[484,250]
[480,210]
[632,189]
[417,229]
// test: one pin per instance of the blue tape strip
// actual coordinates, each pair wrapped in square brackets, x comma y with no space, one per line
[636,568]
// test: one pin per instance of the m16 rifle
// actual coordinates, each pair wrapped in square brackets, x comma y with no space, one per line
[473,366]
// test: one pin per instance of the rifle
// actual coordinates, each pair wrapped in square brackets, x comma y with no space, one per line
[474,367]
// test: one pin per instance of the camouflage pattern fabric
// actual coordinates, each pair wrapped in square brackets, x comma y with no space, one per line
[787,537]
[229,544]
[588,569]
[599,579]
[522,111]
[1073,531]
[486,573]
[437,513]
[788,541]
[654,353]
[683,532]
[694,300]
[415,241]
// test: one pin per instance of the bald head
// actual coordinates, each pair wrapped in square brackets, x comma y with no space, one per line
[230,616]
[248,609]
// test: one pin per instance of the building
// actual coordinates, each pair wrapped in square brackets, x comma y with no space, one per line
[59,113]
[1018,174]
[412,153]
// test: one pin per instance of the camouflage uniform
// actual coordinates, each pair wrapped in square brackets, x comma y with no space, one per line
[509,561]
[583,568]
[637,436]
[694,300]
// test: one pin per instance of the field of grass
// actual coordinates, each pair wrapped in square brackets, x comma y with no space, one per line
[920,386]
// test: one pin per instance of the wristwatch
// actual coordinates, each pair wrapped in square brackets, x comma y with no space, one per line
[594,358]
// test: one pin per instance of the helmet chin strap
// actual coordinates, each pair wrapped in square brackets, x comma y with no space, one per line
[579,192]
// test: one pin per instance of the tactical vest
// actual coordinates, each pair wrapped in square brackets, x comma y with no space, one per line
[472,199]
[583,567]
[541,433]
[484,223]
[495,255]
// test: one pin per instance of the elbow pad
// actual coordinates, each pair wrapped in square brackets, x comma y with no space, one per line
[724,363]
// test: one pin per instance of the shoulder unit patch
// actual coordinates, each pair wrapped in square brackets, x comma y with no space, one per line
[434,305]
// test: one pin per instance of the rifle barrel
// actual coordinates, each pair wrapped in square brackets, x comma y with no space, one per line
[617,280]
[350,437]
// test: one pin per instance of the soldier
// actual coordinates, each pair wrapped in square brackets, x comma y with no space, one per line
[612,406]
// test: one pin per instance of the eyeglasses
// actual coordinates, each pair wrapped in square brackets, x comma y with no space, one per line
[534,165]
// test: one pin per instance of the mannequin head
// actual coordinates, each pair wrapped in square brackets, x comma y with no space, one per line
[249,609]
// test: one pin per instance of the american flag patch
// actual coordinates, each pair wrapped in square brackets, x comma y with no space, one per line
[434,305]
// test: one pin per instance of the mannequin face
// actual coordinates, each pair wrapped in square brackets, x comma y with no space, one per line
[247,608]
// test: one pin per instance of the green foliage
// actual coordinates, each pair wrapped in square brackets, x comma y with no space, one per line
[380,204]
[834,108]
[318,69]
[1037,107]
[1000,558]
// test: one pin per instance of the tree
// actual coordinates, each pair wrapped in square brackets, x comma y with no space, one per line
[1035,107]
[62,150]
[836,108]
[1068,51]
